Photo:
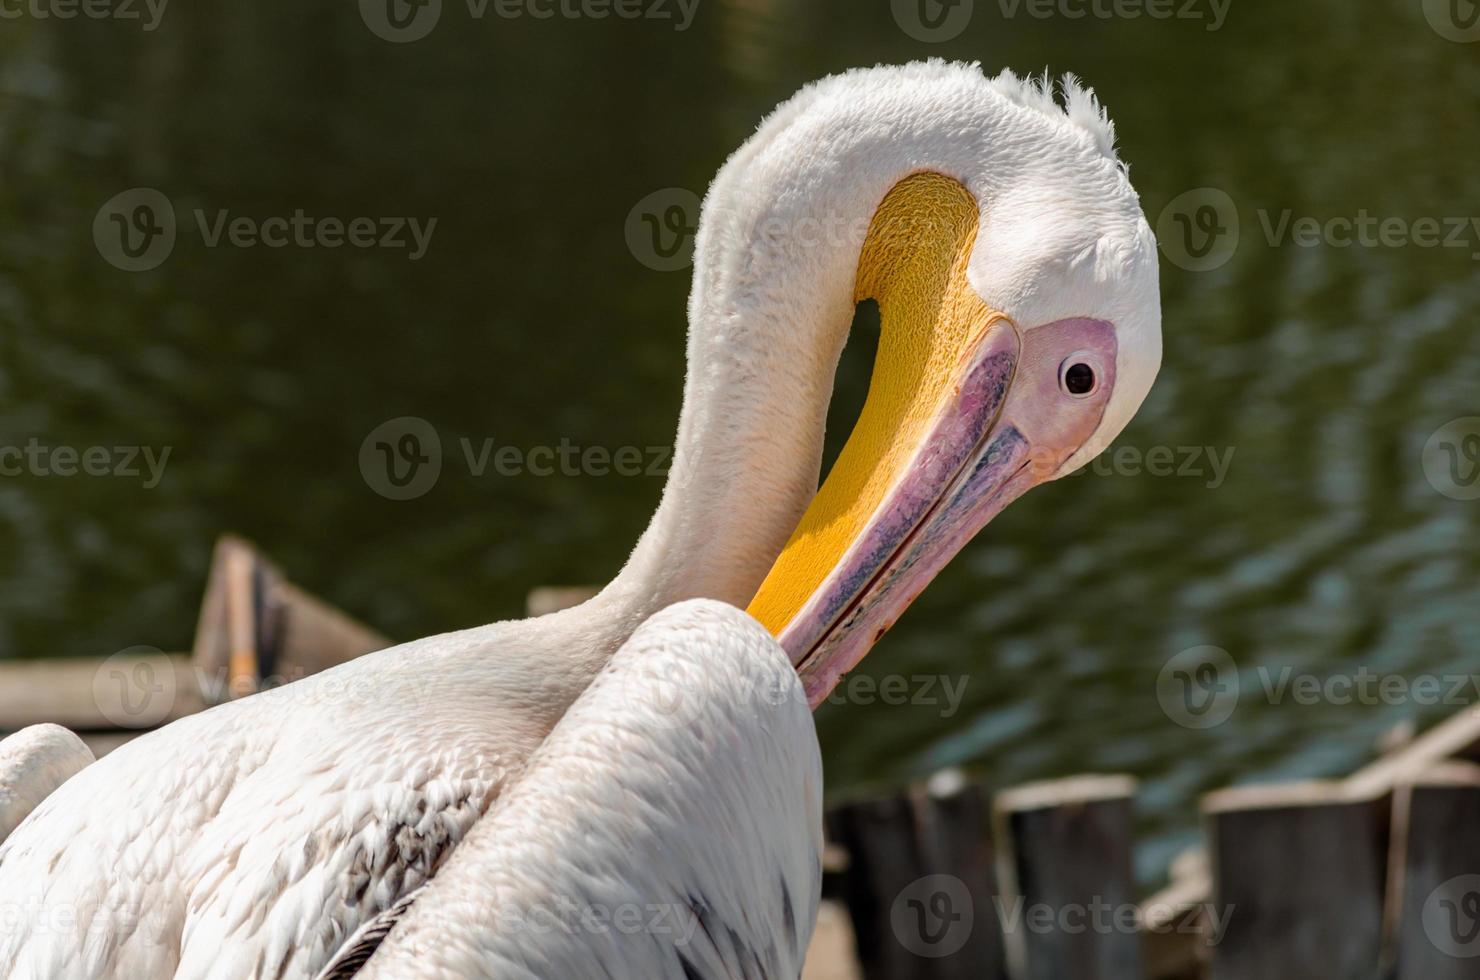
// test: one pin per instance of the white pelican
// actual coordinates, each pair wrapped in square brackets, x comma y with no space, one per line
[1017,284]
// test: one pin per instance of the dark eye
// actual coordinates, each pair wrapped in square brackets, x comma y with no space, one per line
[1079,378]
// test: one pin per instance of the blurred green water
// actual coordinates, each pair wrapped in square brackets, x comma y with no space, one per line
[1324,370]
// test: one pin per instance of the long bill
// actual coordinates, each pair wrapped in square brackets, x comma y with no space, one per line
[965,413]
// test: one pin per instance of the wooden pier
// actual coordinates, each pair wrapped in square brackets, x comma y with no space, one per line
[1372,877]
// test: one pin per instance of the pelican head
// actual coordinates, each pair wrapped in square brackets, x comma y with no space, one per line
[1016,279]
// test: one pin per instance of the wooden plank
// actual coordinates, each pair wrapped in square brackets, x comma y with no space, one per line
[1299,872]
[919,883]
[256,627]
[132,691]
[1068,889]
[1456,738]
[1434,891]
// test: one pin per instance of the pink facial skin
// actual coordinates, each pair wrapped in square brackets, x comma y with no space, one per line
[1020,436]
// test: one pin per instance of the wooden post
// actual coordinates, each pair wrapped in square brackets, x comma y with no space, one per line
[919,883]
[1177,924]
[1454,738]
[255,625]
[1298,876]
[1434,891]
[1068,889]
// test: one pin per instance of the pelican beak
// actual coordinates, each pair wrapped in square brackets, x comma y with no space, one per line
[966,412]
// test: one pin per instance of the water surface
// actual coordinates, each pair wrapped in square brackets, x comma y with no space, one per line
[1323,370]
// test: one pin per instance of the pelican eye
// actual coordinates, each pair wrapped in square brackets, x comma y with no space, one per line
[1078,378]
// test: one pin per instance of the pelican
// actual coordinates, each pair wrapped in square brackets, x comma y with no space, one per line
[1016,279]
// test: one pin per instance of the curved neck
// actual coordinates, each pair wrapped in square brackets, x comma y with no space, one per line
[769,312]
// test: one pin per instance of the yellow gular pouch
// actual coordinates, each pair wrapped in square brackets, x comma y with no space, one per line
[913,265]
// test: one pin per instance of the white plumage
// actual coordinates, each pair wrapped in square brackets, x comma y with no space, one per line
[254,839]
[33,763]
[670,826]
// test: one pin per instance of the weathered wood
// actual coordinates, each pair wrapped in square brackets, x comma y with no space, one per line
[1456,738]
[919,884]
[258,628]
[134,690]
[1068,889]
[1298,874]
[1178,927]
[1434,887]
